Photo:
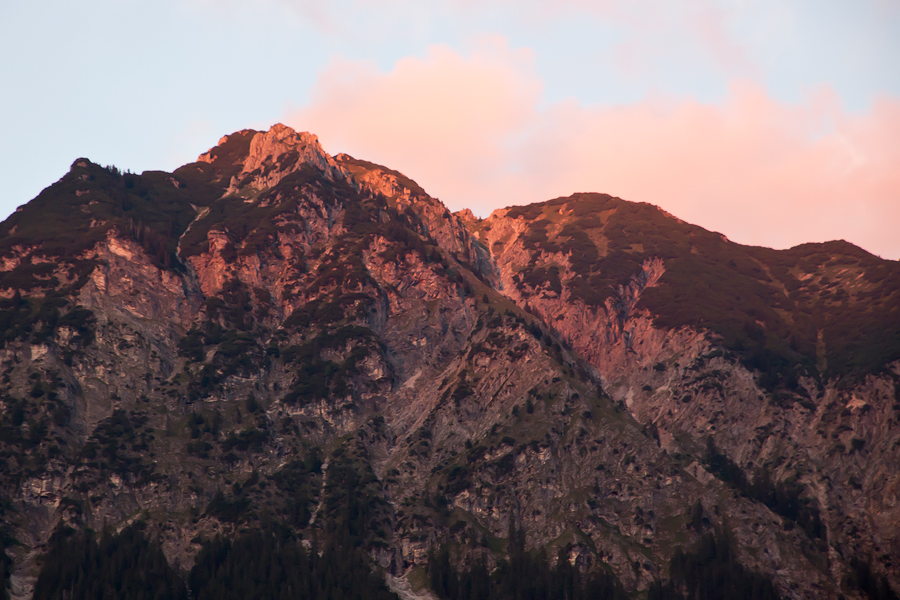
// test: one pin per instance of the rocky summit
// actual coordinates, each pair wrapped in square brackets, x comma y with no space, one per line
[276,373]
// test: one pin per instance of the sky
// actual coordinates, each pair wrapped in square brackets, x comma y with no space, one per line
[773,122]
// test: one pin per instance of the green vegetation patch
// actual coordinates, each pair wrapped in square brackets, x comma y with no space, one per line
[227,159]
[318,378]
[711,570]
[254,223]
[300,483]
[77,212]
[354,511]
[119,445]
[268,562]
[271,563]
[825,310]
[787,498]
[123,566]
[522,574]
[36,319]
[846,304]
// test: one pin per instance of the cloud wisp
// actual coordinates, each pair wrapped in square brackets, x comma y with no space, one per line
[472,130]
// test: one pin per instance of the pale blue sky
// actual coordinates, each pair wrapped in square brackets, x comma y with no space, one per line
[152,85]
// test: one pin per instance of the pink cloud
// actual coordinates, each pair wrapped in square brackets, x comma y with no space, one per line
[444,118]
[471,130]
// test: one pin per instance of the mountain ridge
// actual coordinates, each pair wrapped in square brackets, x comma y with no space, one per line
[174,341]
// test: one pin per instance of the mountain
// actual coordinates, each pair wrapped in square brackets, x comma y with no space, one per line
[278,368]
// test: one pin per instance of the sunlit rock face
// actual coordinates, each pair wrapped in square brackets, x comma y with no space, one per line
[270,331]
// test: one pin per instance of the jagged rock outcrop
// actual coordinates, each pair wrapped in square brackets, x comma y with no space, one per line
[275,154]
[447,229]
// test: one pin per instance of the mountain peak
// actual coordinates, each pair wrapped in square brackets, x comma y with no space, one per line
[277,145]
[282,131]
[270,156]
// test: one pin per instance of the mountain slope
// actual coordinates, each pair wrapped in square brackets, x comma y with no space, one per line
[275,339]
[785,361]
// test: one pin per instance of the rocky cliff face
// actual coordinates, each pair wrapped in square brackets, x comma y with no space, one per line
[429,216]
[275,334]
[826,436]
